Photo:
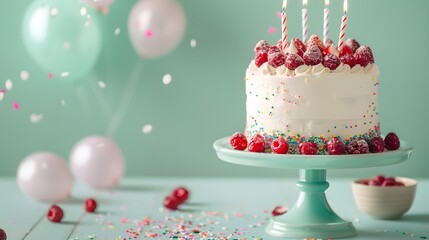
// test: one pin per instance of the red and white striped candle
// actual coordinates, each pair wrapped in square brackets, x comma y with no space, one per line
[326,22]
[304,21]
[284,26]
[343,27]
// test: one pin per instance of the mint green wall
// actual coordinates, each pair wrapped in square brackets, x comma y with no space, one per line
[206,99]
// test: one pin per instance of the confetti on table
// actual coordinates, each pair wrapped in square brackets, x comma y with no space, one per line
[54,12]
[35,118]
[101,84]
[65,74]
[147,128]
[193,43]
[125,220]
[279,14]
[166,79]
[117,31]
[1,96]
[9,84]
[63,102]
[272,30]
[16,105]
[24,75]
[50,75]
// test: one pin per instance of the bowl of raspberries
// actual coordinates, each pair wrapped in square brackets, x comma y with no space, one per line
[384,197]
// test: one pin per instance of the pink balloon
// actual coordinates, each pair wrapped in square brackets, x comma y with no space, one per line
[98,162]
[98,3]
[156,27]
[45,177]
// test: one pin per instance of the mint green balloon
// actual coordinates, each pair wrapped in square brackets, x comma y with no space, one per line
[63,36]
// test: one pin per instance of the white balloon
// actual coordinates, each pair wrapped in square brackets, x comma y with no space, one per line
[45,177]
[98,3]
[156,27]
[98,162]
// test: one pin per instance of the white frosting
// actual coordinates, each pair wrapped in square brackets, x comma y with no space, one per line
[266,69]
[333,50]
[315,101]
[292,49]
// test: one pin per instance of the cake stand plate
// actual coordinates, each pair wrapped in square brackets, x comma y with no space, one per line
[311,216]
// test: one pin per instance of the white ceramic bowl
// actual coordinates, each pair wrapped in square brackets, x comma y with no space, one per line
[384,202]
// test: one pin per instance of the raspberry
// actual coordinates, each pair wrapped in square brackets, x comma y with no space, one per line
[3,235]
[352,44]
[348,59]
[376,145]
[299,44]
[257,137]
[315,40]
[300,53]
[171,203]
[361,59]
[380,178]
[357,147]
[331,61]
[90,205]
[389,182]
[261,46]
[365,50]
[374,182]
[312,56]
[293,61]
[257,144]
[238,141]
[276,59]
[335,146]
[280,146]
[181,194]
[261,58]
[55,214]
[279,210]
[346,50]
[308,148]
[392,141]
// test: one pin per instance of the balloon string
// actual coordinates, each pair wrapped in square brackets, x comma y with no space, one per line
[33,227]
[125,100]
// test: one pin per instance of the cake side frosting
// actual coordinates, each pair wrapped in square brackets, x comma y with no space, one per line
[312,101]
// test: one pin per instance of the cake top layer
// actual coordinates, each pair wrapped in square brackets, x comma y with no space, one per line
[312,53]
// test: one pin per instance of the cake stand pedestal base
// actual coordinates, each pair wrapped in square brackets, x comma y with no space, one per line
[311,216]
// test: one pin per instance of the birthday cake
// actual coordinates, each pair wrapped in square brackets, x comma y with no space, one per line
[312,97]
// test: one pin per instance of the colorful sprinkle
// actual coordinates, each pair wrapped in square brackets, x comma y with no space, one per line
[193,43]
[117,31]
[24,75]
[35,118]
[16,105]
[272,30]
[9,84]
[166,79]
[146,129]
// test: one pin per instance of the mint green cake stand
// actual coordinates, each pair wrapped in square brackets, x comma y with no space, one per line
[311,216]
